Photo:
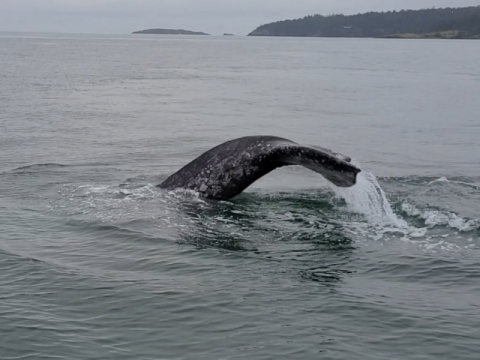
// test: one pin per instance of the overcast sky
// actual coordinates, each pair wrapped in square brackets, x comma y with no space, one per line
[212,16]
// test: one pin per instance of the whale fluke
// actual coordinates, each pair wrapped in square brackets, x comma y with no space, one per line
[229,168]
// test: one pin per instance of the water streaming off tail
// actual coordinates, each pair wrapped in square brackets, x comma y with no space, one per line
[366,197]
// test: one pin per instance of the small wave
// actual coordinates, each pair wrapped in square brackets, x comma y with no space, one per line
[470,181]
[441,218]
[38,166]
[43,166]
[186,193]
[458,181]
[442,179]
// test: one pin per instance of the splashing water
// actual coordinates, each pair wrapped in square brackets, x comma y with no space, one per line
[366,197]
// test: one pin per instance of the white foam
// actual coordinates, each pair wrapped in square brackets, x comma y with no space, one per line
[442,179]
[442,218]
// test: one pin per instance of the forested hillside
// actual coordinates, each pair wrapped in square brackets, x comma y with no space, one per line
[457,22]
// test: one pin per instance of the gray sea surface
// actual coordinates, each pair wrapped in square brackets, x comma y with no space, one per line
[98,263]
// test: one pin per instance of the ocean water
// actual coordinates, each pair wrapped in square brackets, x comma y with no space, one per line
[98,263]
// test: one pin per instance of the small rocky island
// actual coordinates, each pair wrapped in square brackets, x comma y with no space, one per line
[227,34]
[169,32]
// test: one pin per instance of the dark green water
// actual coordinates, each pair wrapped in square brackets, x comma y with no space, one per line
[97,263]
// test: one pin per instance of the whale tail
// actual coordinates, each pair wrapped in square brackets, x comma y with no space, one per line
[335,167]
[229,168]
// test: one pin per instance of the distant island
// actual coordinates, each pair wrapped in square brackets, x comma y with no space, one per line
[169,32]
[443,23]
[227,34]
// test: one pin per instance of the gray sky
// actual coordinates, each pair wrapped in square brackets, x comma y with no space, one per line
[212,16]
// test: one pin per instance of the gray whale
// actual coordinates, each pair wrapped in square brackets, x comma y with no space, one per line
[229,168]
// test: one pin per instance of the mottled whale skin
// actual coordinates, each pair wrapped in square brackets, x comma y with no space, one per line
[229,168]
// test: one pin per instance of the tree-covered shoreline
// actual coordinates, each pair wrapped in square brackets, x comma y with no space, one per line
[447,23]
